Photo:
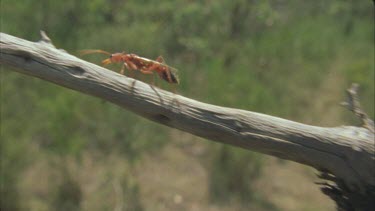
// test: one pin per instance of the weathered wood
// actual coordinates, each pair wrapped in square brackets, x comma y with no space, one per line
[344,155]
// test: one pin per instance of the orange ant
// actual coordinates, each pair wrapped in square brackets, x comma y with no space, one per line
[144,65]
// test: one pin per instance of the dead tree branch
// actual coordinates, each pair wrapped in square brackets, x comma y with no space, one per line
[344,155]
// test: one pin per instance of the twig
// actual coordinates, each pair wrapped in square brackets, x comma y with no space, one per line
[354,105]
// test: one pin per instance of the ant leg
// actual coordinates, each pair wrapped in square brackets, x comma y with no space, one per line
[148,72]
[130,64]
[124,66]
[145,71]
[152,67]
[174,89]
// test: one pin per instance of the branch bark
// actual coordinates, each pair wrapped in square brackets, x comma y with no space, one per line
[344,155]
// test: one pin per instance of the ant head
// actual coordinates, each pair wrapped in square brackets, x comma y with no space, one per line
[114,58]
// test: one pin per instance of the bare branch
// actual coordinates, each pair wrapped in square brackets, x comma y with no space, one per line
[345,152]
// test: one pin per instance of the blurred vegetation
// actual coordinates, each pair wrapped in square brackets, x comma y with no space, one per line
[269,56]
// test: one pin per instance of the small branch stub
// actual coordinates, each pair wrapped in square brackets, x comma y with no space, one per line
[45,39]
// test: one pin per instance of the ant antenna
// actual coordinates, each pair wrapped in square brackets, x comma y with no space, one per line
[90,51]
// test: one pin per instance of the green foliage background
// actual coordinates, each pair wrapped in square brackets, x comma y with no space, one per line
[269,56]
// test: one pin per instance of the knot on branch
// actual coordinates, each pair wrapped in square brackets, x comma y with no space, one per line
[353,105]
